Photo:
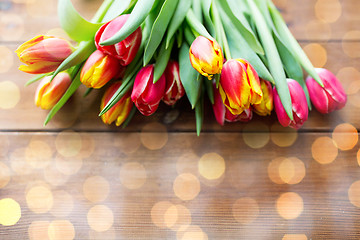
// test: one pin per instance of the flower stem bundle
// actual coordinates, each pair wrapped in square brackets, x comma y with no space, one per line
[238,53]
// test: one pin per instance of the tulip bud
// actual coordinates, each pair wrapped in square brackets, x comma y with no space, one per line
[299,106]
[174,89]
[239,86]
[125,50]
[266,105]
[245,116]
[99,69]
[206,56]
[145,94]
[328,98]
[43,54]
[49,93]
[120,111]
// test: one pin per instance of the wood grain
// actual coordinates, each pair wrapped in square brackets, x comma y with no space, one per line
[327,211]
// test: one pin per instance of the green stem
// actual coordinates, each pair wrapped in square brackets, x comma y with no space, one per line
[100,13]
[220,32]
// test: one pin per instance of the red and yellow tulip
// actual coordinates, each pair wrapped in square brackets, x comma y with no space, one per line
[120,111]
[99,69]
[49,93]
[206,56]
[239,86]
[43,54]
[266,105]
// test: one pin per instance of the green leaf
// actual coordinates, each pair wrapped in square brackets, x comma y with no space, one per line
[162,60]
[189,36]
[158,29]
[209,89]
[84,50]
[179,38]
[233,10]
[240,49]
[127,83]
[75,84]
[37,78]
[131,115]
[291,42]
[123,89]
[275,64]
[116,9]
[75,25]
[88,91]
[196,25]
[189,76]
[177,19]
[196,7]
[137,16]
[292,67]
[199,114]
[206,6]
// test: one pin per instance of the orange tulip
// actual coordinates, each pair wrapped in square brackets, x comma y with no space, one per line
[43,54]
[206,56]
[49,93]
[120,111]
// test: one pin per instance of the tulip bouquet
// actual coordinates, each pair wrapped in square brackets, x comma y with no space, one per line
[238,53]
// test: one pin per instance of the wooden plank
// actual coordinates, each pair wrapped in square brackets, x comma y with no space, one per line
[81,113]
[150,185]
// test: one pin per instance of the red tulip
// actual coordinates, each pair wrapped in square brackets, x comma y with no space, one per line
[145,94]
[328,98]
[174,89]
[299,106]
[125,50]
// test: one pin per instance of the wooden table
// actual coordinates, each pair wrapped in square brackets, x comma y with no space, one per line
[79,179]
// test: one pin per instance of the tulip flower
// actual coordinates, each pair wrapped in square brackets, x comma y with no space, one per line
[174,89]
[239,86]
[120,111]
[299,106]
[266,105]
[125,50]
[99,69]
[145,94]
[245,116]
[328,98]
[43,54]
[206,56]
[222,114]
[49,93]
